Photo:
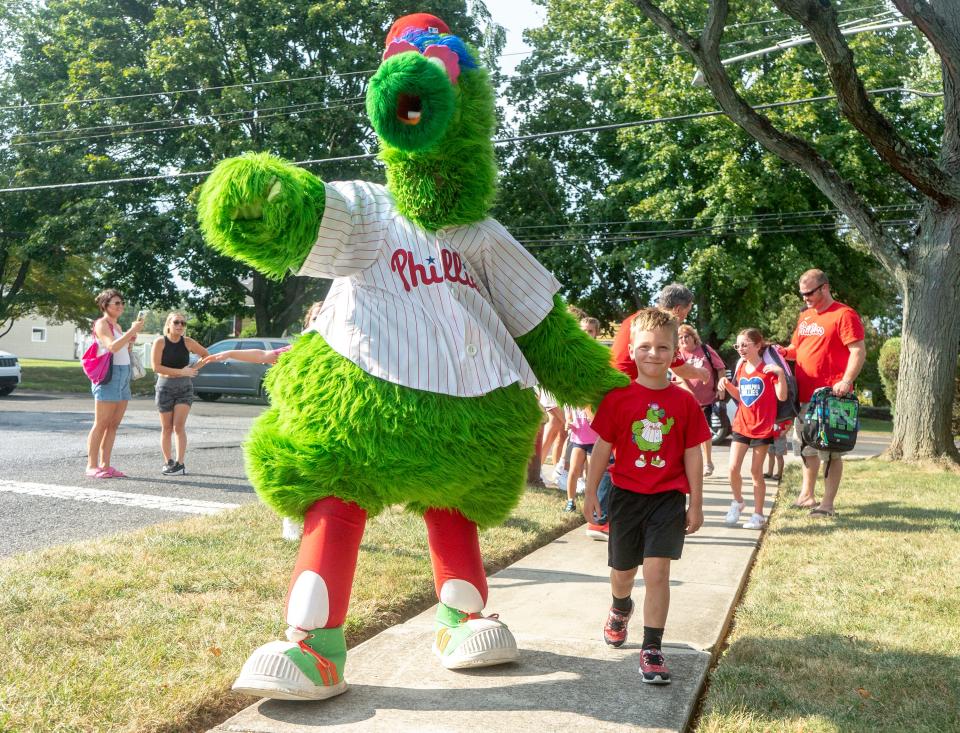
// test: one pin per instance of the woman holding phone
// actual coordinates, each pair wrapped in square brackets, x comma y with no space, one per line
[170,358]
[110,397]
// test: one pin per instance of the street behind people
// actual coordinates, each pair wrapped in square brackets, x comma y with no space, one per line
[170,359]
[655,429]
[757,388]
[111,396]
[829,351]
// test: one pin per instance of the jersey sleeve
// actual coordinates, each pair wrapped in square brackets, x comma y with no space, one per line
[521,289]
[850,327]
[696,431]
[351,233]
[620,350]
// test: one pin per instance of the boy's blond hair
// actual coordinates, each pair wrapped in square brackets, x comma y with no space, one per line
[653,319]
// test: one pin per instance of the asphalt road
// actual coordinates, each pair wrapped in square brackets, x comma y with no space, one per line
[45,499]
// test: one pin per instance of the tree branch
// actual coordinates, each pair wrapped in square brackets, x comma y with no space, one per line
[937,30]
[784,145]
[920,171]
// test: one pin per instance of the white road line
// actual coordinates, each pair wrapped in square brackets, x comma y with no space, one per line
[121,498]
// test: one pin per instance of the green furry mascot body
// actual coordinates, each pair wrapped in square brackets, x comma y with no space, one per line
[415,389]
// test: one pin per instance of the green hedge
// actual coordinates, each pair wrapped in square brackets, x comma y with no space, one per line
[888,365]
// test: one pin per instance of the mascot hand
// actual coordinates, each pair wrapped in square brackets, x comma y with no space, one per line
[261,210]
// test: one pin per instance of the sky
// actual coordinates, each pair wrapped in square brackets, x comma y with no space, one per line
[515,16]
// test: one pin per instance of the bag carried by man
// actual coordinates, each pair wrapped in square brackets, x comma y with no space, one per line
[97,368]
[831,422]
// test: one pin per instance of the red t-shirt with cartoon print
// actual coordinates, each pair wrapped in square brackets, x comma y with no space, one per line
[649,430]
[757,412]
[620,351]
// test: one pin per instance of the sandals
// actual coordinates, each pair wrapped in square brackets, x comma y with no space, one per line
[812,505]
[822,512]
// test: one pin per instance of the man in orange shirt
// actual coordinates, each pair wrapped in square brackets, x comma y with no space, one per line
[829,351]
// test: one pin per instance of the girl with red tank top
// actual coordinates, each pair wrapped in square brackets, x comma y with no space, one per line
[757,387]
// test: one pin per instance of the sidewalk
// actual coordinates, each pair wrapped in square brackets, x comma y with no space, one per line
[555,601]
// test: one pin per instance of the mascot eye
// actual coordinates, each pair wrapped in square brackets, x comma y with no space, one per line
[409,109]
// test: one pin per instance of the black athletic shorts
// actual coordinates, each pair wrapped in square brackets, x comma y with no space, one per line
[645,525]
[752,442]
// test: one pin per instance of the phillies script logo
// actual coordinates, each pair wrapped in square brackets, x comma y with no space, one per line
[811,329]
[414,274]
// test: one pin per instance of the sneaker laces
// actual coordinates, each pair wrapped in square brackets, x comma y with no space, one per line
[653,656]
[478,615]
[617,620]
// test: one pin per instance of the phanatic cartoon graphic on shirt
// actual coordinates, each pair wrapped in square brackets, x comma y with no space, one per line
[648,435]
[414,388]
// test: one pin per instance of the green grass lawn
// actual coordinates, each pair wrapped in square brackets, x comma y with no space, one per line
[852,624]
[146,631]
[877,426]
[49,375]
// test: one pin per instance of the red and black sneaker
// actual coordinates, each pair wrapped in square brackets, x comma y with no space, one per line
[615,630]
[653,668]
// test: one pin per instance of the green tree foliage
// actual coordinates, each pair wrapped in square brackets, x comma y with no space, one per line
[696,200]
[237,61]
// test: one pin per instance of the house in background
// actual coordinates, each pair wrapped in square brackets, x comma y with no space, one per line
[38,338]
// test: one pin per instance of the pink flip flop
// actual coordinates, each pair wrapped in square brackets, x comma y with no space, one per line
[114,473]
[97,473]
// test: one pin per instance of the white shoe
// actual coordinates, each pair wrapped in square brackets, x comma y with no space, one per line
[757,521]
[292,531]
[581,486]
[269,672]
[733,513]
[560,476]
[708,470]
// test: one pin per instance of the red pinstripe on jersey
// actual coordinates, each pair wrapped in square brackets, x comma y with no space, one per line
[436,311]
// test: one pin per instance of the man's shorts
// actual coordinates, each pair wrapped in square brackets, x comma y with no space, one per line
[736,437]
[645,525]
[177,391]
[779,445]
[809,450]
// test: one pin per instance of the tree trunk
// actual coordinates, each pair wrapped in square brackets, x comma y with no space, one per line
[261,303]
[931,335]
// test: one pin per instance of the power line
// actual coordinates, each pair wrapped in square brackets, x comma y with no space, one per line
[501,141]
[316,77]
[703,232]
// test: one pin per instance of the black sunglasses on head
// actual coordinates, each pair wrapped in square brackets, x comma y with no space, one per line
[811,292]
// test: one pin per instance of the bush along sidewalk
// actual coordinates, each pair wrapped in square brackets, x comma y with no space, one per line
[850,624]
[145,631]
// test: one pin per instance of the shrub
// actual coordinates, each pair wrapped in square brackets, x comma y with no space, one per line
[888,364]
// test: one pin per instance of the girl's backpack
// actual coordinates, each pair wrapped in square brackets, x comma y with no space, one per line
[789,408]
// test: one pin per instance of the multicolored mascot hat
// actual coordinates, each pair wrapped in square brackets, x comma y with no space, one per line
[428,35]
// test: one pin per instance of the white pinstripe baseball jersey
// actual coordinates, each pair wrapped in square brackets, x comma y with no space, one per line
[436,311]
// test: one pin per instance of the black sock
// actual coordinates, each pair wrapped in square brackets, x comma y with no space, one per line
[623,604]
[652,638]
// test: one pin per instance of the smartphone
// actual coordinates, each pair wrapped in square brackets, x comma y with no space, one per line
[141,315]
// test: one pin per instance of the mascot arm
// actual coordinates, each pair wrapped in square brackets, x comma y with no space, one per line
[571,365]
[263,211]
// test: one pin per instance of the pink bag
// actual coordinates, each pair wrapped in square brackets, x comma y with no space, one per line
[98,368]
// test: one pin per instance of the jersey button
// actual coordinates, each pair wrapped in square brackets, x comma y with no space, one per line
[472,349]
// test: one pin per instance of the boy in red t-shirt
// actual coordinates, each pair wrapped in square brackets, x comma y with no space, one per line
[654,429]
[757,387]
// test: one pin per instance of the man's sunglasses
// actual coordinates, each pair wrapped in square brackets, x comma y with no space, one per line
[811,292]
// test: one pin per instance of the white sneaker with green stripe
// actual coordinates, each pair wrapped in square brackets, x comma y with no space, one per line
[471,639]
[309,667]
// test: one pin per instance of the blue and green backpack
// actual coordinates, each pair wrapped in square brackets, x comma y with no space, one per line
[831,422]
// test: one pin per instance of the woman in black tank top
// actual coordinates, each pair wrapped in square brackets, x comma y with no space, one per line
[171,362]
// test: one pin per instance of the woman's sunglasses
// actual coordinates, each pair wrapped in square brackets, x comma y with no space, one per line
[179,323]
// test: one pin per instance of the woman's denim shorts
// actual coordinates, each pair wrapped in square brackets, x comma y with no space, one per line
[117,389]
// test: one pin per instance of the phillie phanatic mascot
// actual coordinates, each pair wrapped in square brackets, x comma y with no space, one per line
[414,387]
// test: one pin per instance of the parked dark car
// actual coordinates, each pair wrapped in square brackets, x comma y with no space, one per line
[9,373]
[231,376]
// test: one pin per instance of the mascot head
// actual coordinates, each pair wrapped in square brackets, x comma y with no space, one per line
[432,108]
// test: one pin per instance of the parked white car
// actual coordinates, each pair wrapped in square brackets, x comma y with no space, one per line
[9,373]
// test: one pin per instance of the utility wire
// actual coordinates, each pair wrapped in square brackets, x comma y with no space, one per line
[316,77]
[704,232]
[501,141]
